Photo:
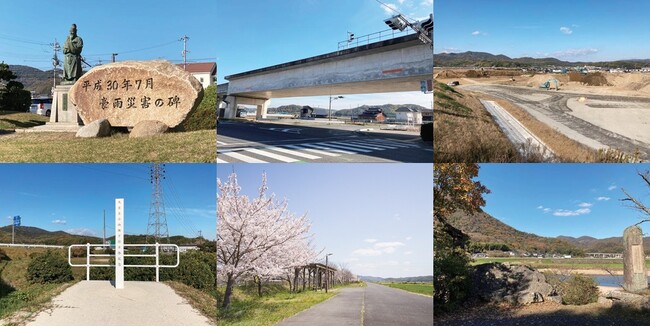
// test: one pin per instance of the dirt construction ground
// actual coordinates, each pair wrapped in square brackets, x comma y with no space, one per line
[613,116]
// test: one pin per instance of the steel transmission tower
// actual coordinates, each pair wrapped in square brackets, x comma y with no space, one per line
[157,227]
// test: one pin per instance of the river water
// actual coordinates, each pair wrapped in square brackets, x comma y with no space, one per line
[608,280]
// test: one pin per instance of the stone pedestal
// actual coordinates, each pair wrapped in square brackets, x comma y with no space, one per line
[635,272]
[63,110]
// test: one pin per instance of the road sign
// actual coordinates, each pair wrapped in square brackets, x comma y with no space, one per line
[16,221]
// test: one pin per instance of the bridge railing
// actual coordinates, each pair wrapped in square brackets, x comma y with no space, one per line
[373,37]
[157,265]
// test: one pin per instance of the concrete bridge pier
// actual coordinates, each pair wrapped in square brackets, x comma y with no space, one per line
[234,101]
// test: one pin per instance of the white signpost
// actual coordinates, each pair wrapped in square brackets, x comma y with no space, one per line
[119,243]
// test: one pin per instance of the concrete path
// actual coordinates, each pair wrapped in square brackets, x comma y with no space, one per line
[95,303]
[370,306]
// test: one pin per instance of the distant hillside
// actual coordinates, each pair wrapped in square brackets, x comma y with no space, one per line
[605,245]
[483,228]
[421,279]
[483,59]
[35,79]
[35,235]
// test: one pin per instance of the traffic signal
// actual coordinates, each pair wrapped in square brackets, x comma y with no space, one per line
[397,22]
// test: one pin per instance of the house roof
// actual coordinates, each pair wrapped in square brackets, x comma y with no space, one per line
[200,67]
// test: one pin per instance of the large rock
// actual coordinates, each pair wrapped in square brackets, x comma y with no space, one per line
[148,128]
[498,282]
[129,92]
[98,128]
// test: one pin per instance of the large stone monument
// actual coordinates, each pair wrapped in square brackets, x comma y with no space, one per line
[130,92]
[635,272]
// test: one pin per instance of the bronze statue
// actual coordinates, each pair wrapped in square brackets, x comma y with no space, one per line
[72,50]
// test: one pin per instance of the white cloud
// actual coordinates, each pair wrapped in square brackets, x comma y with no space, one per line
[566,30]
[408,252]
[428,3]
[540,207]
[351,260]
[408,238]
[570,53]
[546,210]
[475,33]
[612,187]
[571,213]
[389,8]
[602,198]
[367,252]
[585,205]
[58,222]
[450,50]
[400,1]
[397,217]
[81,231]
[378,248]
[370,240]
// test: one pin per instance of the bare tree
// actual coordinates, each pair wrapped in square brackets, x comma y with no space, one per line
[636,204]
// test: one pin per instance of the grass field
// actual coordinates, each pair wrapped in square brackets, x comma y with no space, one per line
[573,263]
[198,146]
[247,308]
[11,120]
[420,288]
[16,292]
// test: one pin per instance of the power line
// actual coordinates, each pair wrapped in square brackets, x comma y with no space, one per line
[393,9]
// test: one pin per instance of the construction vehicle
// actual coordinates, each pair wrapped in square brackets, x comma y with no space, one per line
[547,84]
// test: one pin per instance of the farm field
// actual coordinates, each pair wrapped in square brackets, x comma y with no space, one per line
[420,288]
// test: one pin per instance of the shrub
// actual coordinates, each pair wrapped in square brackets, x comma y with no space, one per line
[451,273]
[579,289]
[426,132]
[49,267]
[205,115]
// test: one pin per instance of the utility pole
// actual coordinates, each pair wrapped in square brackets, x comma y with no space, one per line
[184,53]
[113,57]
[200,234]
[55,60]
[157,226]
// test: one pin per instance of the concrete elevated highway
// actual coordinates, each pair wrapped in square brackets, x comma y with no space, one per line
[394,65]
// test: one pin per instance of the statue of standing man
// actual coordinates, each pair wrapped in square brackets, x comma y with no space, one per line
[72,62]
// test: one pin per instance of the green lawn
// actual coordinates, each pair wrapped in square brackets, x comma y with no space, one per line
[247,308]
[420,288]
[197,146]
[11,120]
[573,263]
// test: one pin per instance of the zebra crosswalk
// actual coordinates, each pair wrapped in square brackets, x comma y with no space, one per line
[303,152]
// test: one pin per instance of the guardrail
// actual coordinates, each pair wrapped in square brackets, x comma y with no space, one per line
[156,255]
[373,37]
[31,246]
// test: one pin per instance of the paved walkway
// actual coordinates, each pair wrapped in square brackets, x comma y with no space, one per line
[95,303]
[370,306]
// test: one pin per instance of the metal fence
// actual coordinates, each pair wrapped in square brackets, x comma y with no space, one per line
[373,37]
[157,246]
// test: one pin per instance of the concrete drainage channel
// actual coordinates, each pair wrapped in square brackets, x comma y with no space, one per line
[517,133]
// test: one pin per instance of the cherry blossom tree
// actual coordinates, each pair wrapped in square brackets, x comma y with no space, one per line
[258,236]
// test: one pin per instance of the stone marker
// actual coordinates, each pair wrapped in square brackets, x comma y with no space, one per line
[635,272]
[148,128]
[98,128]
[129,92]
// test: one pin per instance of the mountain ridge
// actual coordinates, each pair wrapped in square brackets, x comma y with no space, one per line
[485,59]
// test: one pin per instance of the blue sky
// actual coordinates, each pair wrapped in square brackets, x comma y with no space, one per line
[565,199]
[375,218]
[576,30]
[72,197]
[255,34]
[117,26]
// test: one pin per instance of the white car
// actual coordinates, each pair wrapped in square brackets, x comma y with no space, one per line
[41,106]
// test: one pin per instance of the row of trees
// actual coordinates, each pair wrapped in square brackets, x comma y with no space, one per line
[258,238]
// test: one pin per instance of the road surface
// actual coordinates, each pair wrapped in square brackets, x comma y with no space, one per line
[262,142]
[551,108]
[374,305]
[98,303]
[517,133]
